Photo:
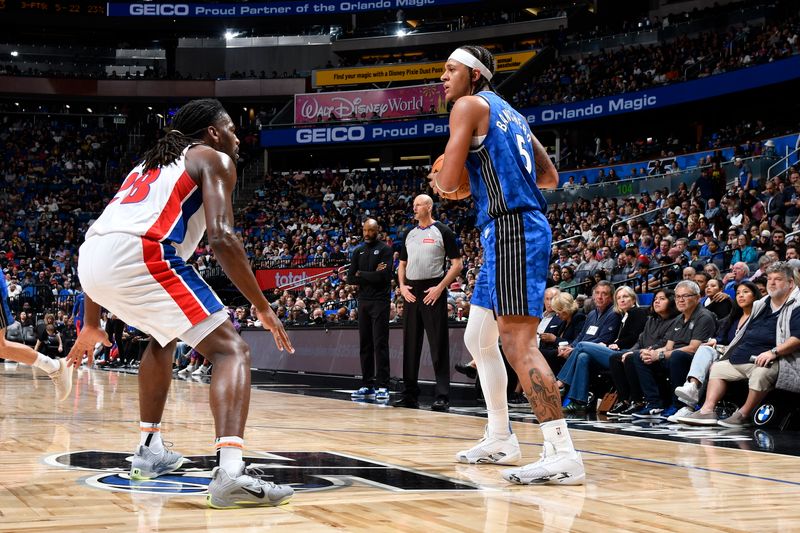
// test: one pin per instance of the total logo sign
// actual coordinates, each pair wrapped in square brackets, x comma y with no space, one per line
[284,277]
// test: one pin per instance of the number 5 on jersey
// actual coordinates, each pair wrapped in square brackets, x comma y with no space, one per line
[137,185]
[524,153]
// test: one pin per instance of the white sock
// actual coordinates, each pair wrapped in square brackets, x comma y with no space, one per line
[150,436]
[494,381]
[47,364]
[229,454]
[556,433]
[481,339]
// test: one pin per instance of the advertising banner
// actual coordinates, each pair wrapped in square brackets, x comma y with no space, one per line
[654,98]
[282,277]
[354,105]
[271,9]
[405,71]
[353,133]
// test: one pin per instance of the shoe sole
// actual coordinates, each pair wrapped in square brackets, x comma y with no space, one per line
[136,473]
[697,422]
[734,426]
[246,504]
[673,419]
[552,480]
[507,460]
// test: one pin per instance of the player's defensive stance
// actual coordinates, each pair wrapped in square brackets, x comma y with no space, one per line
[133,263]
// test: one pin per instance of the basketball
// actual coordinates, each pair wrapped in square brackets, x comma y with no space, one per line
[463,190]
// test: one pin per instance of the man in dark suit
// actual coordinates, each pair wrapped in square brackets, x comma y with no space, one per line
[371,269]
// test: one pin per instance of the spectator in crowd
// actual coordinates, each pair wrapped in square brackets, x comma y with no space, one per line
[746,180]
[765,342]
[550,320]
[763,263]
[568,283]
[601,325]
[721,307]
[630,398]
[689,330]
[592,355]
[691,391]
[743,252]
[571,320]
[739,272]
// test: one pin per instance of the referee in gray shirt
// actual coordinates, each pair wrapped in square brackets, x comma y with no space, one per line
[423,284]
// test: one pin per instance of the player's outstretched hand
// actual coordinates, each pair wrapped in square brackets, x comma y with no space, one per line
[85,343]
[270,321]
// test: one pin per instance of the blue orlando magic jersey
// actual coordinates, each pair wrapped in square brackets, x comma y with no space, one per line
[502,173]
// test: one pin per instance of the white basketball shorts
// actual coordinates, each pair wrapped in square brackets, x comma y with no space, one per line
[147,285]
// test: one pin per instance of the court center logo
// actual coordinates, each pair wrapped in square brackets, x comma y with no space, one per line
[304,471]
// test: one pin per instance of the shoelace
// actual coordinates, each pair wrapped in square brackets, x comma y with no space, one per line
[256,472]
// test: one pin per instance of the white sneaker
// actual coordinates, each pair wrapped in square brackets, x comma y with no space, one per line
[688,393]
[202,371]
[188,370]
[683,411]
[492,450]
[62,379]
[226,492]
[553,468]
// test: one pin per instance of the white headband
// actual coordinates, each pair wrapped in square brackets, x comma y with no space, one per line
[465,58]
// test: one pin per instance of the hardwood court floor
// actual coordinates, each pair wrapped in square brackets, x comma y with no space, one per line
[384,469]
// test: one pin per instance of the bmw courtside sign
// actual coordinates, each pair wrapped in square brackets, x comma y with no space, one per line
[764,414]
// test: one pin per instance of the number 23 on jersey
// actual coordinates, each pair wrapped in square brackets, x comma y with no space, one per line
[136,187]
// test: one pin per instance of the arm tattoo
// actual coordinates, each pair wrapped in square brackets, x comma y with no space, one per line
[544,397]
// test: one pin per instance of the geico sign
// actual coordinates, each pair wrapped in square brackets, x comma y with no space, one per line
[168,10]
[330,135]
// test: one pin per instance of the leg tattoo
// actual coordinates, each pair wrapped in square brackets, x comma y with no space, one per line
[544,397]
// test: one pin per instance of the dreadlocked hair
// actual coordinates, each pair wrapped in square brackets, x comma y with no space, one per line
[188,126]
[485,57]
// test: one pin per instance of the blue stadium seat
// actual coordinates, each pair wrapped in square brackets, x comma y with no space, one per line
[646,299]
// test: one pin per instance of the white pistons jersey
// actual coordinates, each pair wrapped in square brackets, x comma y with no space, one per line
[133,262]
[161,205]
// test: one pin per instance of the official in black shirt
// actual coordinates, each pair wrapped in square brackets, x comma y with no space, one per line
[371,269]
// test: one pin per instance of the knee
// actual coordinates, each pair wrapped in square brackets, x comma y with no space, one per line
[242,350]
[679,356]
[234,349]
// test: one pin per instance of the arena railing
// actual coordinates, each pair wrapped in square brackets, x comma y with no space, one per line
[785,161]
[635,186]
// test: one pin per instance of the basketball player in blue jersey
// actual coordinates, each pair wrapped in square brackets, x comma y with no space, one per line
[507,168]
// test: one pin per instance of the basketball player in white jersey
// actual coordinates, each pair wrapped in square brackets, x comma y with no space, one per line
[133,263]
